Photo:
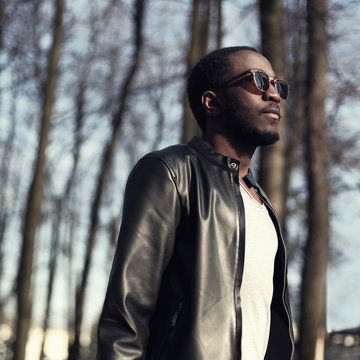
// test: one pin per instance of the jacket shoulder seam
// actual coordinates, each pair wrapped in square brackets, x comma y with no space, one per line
[169,168]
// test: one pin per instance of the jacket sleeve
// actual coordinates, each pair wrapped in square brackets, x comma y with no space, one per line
[151,214]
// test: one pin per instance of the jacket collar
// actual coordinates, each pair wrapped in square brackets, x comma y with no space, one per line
[213,156]
[225,162]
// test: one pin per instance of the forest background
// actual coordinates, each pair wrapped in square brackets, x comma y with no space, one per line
[86,88]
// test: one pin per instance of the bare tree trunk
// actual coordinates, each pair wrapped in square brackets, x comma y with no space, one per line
[35,196]
[104,173]
[2,17]
[5,165]
[313,295]
[159,131]
[59,209]
[295,103]
[198,47]
[272,161]
[7,181]
[52,270]
[219,32]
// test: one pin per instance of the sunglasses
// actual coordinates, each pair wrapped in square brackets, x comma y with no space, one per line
[261,80]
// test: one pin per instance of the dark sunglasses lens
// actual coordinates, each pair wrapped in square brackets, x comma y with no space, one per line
[282,88]
[261,81]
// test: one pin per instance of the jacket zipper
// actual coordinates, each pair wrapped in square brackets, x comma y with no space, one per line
[241,253]
[283,298]
[284,278]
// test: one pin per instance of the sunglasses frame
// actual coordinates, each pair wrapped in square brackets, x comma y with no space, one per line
[253,72]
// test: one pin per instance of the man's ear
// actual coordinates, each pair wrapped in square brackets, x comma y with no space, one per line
[209,101]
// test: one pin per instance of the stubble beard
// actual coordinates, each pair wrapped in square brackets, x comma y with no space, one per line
[239,130]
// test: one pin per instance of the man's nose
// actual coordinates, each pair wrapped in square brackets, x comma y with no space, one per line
[271,94]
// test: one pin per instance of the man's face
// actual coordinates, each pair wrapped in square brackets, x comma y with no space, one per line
[249,115]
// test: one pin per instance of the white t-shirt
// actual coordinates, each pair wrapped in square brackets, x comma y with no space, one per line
[257,284]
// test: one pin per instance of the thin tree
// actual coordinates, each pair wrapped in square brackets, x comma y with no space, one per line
[35,195]
[5,180]
[219,22]
[104,174]
[313,292]
[55,240]
[273,158]
[61,202]
[295,70]
[7,156]
[199,38]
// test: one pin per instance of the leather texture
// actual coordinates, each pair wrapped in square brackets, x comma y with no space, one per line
[174,288]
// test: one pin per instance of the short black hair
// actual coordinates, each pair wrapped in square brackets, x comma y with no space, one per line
[207,74]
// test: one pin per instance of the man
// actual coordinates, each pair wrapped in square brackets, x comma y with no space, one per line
[200,266]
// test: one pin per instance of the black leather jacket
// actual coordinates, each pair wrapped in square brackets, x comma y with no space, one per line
[175,282]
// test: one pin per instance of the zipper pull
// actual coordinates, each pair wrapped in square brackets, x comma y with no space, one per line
[176,315]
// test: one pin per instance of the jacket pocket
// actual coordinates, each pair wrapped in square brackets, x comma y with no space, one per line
[170,332]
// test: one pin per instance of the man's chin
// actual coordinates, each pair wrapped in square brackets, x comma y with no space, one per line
[268,139]
[241,134]
[258,138]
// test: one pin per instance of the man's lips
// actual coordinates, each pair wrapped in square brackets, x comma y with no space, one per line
[274,112]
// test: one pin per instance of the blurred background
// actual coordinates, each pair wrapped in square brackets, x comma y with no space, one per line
[88,87]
